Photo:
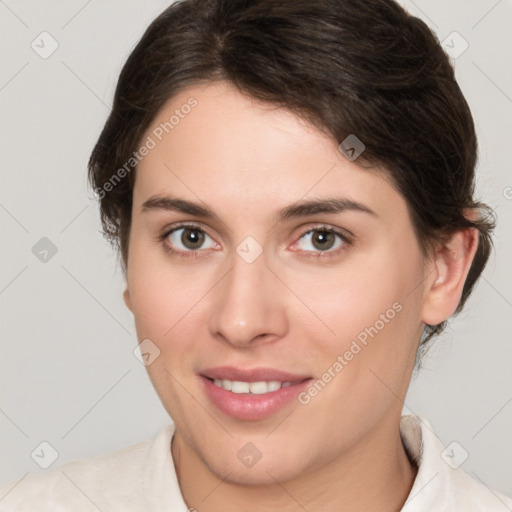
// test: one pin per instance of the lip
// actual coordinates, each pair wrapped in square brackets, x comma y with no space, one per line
[248,406]
[251,375]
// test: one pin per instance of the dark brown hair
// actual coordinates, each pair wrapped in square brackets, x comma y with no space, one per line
[363,67]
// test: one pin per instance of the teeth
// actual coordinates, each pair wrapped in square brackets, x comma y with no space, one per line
[256,388]
[239,387]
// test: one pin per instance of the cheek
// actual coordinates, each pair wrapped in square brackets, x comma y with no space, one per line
[367,312]
[364,368]
[160,292]
[346,299]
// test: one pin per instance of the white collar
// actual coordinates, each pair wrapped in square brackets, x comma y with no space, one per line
[441,484]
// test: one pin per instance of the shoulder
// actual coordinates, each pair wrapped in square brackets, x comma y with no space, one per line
[441,484]
[89,484]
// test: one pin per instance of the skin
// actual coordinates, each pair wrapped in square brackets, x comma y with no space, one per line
[246,160]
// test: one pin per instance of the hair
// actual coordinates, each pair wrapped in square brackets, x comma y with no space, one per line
[363,67]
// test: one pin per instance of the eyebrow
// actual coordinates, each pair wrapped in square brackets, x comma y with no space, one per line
[331,205]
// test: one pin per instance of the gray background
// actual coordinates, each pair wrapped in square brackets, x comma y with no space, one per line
[68,374]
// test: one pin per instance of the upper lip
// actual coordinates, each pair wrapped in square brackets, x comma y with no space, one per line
[251,375]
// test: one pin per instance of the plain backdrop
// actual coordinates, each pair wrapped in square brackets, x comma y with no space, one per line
[68,373]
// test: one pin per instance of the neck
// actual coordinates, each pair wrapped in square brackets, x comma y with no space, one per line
[374,475]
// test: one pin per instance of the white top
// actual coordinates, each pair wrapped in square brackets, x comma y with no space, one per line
[142,478]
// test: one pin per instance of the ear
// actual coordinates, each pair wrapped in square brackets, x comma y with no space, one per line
[452,262]
[126,298]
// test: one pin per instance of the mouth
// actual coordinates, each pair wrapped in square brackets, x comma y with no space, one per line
[251,395]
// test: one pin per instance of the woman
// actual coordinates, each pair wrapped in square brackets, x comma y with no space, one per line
[290,186]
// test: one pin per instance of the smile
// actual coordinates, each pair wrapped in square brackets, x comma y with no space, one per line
[254,394]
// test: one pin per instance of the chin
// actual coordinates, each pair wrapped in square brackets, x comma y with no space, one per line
[258,477]
[261,474]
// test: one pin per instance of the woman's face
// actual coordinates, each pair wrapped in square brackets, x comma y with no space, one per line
[259,284]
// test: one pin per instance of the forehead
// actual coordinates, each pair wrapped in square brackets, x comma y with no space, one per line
[214,144]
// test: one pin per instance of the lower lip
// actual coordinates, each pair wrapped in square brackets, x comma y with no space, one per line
[248,406]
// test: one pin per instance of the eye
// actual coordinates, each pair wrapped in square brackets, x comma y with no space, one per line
[187,240]
[322,239]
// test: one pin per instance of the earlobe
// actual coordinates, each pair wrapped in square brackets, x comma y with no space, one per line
[126,298]
[452,263]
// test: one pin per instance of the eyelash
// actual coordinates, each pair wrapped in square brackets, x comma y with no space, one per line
[195,253]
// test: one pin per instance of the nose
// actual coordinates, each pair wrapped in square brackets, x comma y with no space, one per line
[249,305]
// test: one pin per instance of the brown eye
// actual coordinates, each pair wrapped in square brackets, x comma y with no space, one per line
[188,239]
[322,240]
